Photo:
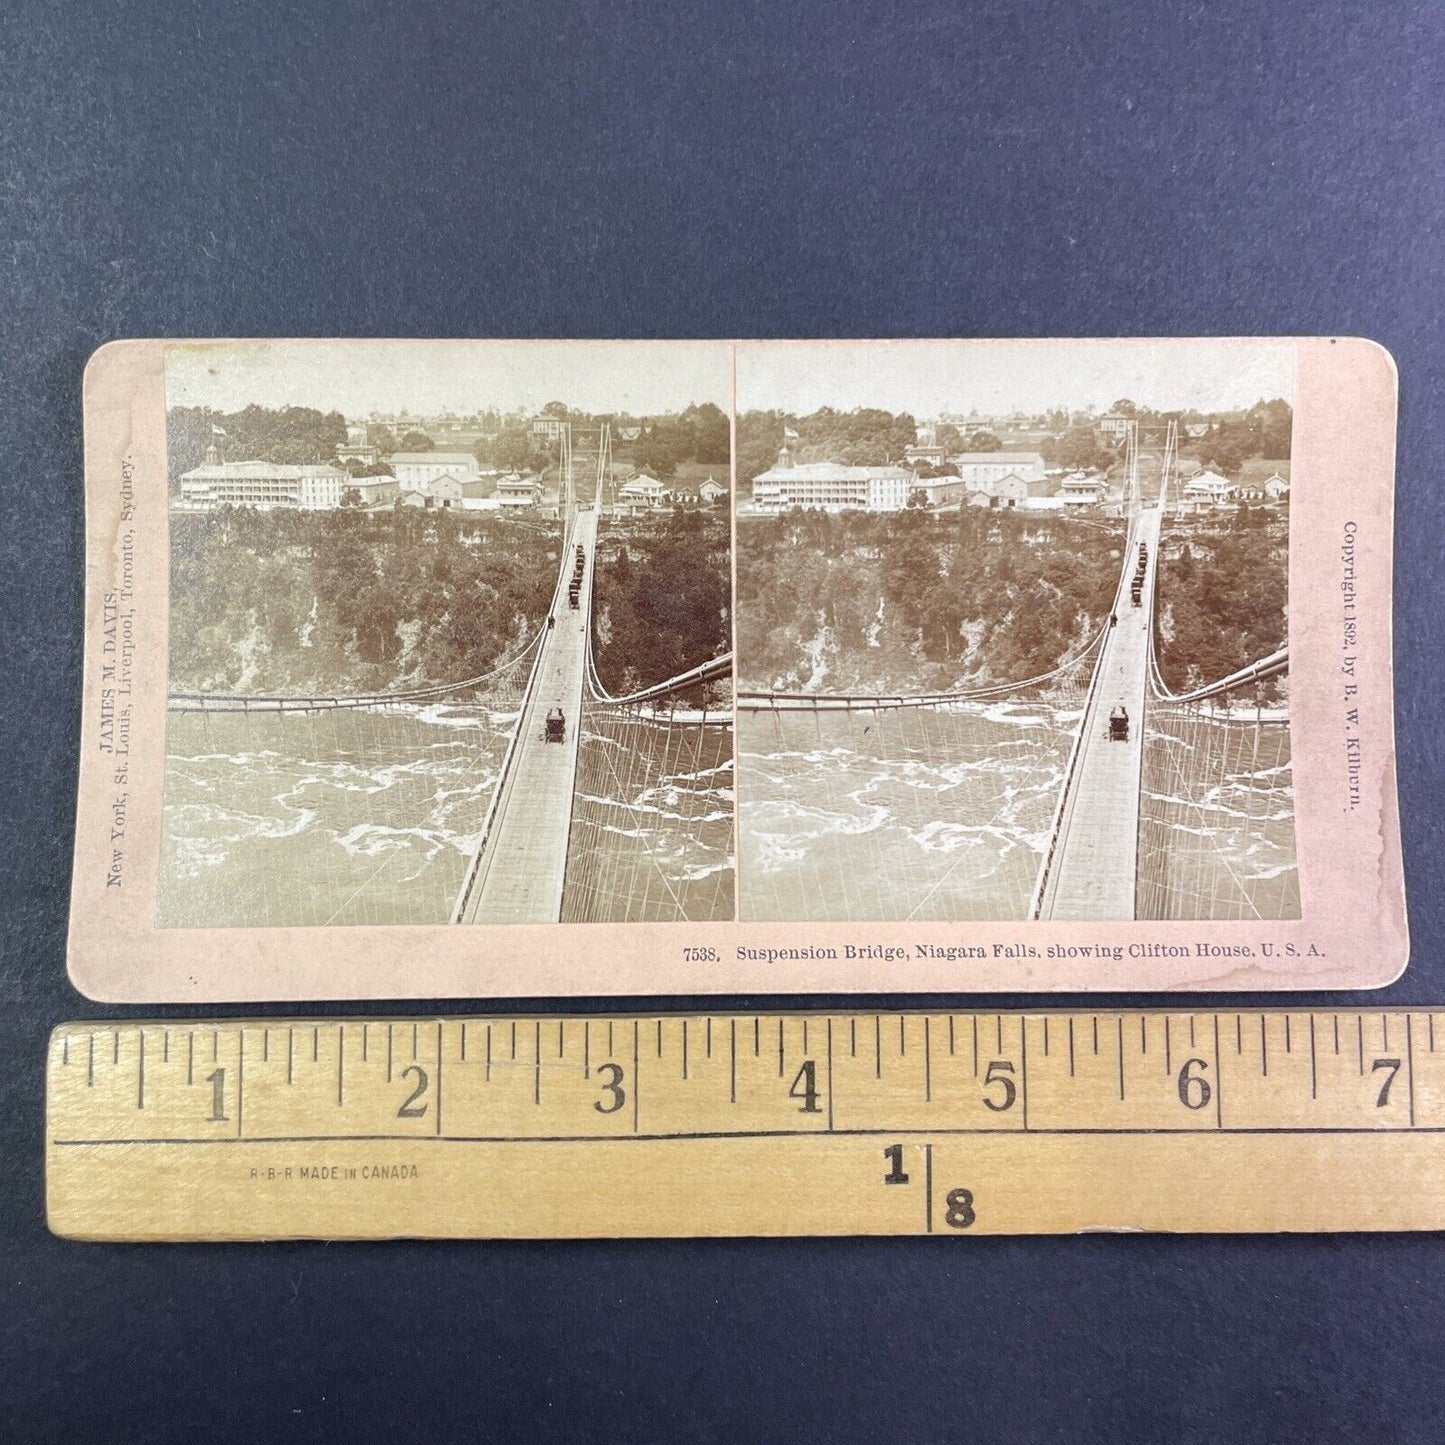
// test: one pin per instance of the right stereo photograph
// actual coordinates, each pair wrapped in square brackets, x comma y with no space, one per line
[1012,630]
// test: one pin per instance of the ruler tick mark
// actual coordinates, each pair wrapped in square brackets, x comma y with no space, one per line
[975,1045]
[537,1065]
[586,1047]
[1096,1033]
[780,1048]
[928,1187]
[1071,1046]
[829,1030]
[439,1078]
[757,1038]
[389,1045]
[561,1041]
[1218,1078]
[265,1046]
[1239,1033]
[927,1071]
[805,1038]
[365,1028]
[1314,1063]
[1288,1048]
[1168,1049]
[1143,1034]
[1337,1033]
[340,1064]
[1410,1065]
[877,1046]
[1121,1057]
[462,1052]
[659,1038]
[1360,1035]
[1263,1048]
[115,1038]
[415,1033]
[65,1049]
[636,1079]
[316,1046]
[190,1056]
[684,1048]
[140,1092]
[487,1077]
[1046,1035]
[1000,1033]
[1385,1031]
[165,1046]
[902,1037]
[514,1039]
[90,1066]
[291,1053]
[707,1037]
[852,1038]
[950,1036]
[732,1061]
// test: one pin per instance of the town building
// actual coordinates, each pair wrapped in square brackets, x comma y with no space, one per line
[1083,489]
[516,493]
[977,469]
[642,491]
[369,491]
[710,492]
[356,447]
[1276,487]
[547,427]
[830,486]
[311,486]
[1209,486]
[419,471]
[1114,425]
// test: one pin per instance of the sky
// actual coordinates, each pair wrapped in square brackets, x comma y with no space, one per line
[357,378]
[926,378]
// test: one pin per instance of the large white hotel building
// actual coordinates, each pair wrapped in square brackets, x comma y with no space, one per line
[830,487]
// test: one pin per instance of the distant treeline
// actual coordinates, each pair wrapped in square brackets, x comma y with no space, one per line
[860,601]
[1224,599]
[305,602]
[861,438]
[292,435]
[661,600]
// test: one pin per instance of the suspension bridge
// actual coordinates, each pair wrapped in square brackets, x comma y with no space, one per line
[461,800]
[1091,792]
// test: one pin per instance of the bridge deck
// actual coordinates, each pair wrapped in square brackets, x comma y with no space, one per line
[522,864]
[1094,871]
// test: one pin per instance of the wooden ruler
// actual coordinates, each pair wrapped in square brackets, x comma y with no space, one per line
[747,1124]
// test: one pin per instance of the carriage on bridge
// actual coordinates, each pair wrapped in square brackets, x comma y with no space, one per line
[556,728]
[1119,724]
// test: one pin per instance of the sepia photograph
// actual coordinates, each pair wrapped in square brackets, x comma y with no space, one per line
[450,634]
[1013,631]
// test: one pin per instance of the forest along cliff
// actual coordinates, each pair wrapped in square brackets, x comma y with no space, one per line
[911,601]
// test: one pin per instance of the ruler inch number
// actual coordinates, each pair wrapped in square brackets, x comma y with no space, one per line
[1027,1122]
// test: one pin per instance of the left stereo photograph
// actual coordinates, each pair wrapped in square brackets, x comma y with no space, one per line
[448,635]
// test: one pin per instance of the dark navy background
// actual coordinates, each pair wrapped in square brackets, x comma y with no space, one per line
[418,169]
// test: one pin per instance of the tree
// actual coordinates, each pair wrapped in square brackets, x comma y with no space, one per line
[1124,407]
[557,409]
[983,441]
[382,438]
[417,441]
[949,437]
